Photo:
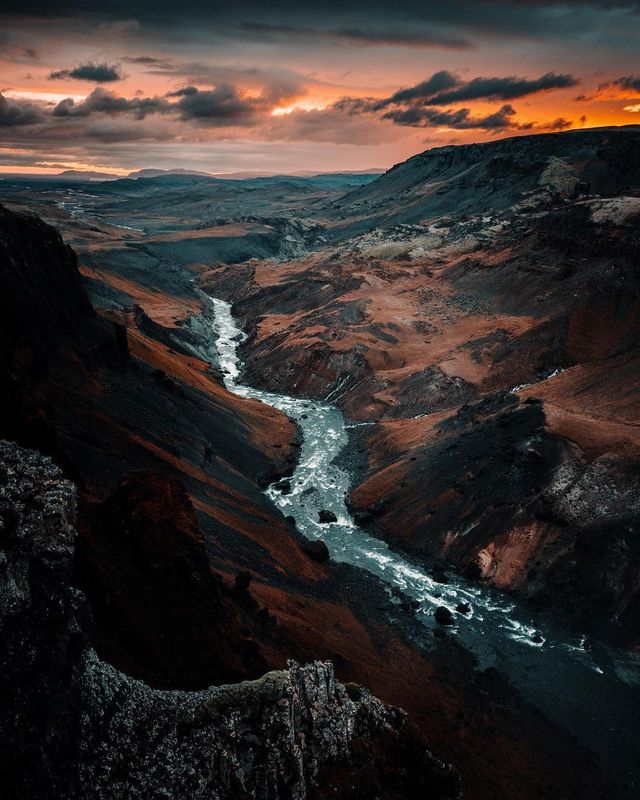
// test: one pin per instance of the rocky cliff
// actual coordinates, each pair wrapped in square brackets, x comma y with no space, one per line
[73,726]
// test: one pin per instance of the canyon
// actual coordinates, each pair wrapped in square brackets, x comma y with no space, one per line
[455,347]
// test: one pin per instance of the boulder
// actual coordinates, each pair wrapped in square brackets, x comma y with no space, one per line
[444,616]
[315,549]
[326,517]
[439,575]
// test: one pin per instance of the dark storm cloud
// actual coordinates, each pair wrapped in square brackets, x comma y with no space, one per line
[415,106]
[401,22]
[223,105]
[364,37]
[445,88]
[101,101]
[461,119]
[347,109]
[98,73]
[437,83]
[628,83]
[16,113]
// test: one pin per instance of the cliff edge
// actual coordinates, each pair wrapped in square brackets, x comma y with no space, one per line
[73,726]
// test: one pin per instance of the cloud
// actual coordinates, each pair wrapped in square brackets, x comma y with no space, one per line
[416,106]
[270,81]
[555,125]
[225,105]
[221,105]
[432,87]
[149,61]
[446,88]
[110,130]
[460,119]
[120,27]
[573,21]
[98,73]
[361,36]
[16,113]
[628,83]
[105,102]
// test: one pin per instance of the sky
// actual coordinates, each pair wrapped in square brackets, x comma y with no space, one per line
[284,86]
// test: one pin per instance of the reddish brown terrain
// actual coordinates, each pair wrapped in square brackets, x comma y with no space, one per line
[450,333]
[437,303]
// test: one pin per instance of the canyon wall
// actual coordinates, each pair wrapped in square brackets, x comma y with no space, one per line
[480,305]
[72,726]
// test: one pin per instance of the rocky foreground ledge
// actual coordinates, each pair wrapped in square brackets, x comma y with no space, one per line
[72,726]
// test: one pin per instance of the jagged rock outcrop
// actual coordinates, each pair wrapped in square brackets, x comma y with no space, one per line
[160,613]
[73,726]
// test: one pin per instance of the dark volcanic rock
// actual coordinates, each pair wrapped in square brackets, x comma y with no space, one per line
[43,310]
[316,549]
[439,575]
[283,486]
[160,613]
[326,517]
[72,726]
[444,616]
[40,306]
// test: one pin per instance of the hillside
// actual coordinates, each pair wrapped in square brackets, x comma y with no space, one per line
[495,340]
[486,362]
[455,181]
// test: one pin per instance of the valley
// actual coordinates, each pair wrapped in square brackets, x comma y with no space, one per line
[443,359]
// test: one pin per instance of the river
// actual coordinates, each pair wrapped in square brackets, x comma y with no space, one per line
[585,691]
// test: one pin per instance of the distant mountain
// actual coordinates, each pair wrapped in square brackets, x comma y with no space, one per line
[94,176]
[79,175]
[247,175]
[158,173]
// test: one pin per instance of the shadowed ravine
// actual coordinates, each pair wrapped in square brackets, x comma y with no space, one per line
[591,693]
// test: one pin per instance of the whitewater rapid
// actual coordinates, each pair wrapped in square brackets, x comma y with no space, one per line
[318,483]
[582,689]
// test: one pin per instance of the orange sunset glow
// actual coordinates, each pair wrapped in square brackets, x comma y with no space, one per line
[114,90]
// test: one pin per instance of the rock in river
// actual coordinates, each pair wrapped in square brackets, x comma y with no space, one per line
[444,616]
[327,516]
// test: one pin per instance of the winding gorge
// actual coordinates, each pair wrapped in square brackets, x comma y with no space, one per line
[494,628]
[325,486]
